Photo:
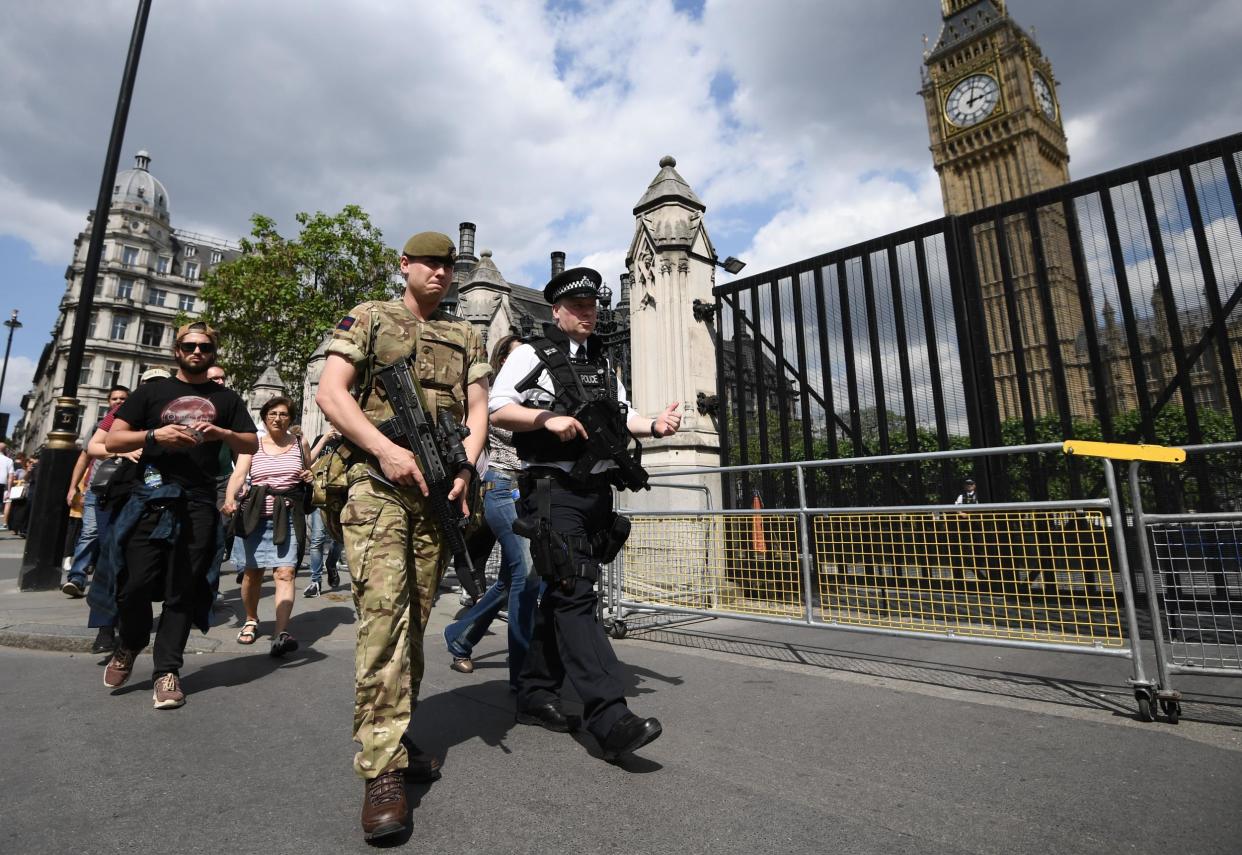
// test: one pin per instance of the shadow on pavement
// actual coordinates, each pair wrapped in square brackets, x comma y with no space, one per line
[1115,698]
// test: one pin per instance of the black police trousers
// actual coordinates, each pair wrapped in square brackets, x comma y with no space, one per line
[568,639]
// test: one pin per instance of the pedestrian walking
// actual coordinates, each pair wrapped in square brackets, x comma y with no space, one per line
[169,529]
[515,589]
[271,519]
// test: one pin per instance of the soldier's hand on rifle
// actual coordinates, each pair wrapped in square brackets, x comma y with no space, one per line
[667,423]
[565,427]
[401,467]
[460,491]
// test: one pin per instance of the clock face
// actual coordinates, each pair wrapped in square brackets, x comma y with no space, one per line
[972,100]
[1043,96]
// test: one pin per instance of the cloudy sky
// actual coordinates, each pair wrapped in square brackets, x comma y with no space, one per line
[796,121]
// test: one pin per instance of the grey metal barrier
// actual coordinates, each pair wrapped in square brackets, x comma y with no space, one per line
[1048,575]
[1192,570]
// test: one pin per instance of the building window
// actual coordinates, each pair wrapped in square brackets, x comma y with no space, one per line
[185,302]
[120,326]
[101,412]
[152,334]
[112,373]
[125,289]
[84,376]
[191,251]
[191,270]
[217,256]
[162,264]
[129,256]
[156,296]
[92,324]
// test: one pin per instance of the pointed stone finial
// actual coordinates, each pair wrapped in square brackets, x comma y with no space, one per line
[487,253]
[668,160]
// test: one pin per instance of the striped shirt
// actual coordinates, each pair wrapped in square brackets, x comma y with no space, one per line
[279,472]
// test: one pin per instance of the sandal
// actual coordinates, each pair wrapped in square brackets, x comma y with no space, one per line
[282,644]
[249,631]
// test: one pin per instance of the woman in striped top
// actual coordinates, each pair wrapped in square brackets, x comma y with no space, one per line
[276,473]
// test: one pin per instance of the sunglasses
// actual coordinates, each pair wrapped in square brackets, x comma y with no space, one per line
[191,346]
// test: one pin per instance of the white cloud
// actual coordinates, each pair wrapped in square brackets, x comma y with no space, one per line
[431,113]
[48,227]
[17,382]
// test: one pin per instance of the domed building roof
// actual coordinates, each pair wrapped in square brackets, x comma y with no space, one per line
[138,187]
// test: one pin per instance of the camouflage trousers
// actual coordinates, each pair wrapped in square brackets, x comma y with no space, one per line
[396,557]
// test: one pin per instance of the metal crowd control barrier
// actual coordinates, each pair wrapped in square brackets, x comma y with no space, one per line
[1041,575]
[1192,568]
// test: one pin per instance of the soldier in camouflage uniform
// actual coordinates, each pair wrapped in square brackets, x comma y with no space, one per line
[395,552]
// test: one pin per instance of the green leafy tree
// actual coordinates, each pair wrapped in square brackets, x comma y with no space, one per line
[275,303]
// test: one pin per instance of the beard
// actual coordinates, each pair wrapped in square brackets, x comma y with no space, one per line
[184,364]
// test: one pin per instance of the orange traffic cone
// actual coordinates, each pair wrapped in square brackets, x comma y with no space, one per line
[756,524]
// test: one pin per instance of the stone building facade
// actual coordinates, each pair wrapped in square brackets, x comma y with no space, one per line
[150,272]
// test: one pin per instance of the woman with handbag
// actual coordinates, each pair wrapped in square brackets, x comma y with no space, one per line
[270,519]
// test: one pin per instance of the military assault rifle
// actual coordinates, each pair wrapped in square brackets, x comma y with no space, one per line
[441,456]
[608,439]
[604,419]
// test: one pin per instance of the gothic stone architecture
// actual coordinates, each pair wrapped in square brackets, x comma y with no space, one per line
[148,274]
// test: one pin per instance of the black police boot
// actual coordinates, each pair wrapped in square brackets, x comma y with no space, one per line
[630,734]
[550,717]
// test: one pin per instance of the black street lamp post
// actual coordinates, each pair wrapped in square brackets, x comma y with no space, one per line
[13,324]
[41,561]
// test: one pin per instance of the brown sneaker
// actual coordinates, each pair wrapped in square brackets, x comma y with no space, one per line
[384,808]
[168,694]
[120,666]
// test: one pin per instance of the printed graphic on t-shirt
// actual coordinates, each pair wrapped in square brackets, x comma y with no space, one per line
[187,410]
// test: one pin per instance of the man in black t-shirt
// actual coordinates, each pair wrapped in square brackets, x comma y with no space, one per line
[180,425]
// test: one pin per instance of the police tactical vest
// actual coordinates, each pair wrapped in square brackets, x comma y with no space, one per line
[587,374]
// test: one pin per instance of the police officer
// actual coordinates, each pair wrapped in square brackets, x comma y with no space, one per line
[395,551]
[533,397]
[968,496]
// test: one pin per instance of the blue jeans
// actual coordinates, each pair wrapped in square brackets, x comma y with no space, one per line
[85,553]
[515,585]
[317,538]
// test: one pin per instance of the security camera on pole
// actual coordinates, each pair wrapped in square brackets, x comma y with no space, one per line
[41,563]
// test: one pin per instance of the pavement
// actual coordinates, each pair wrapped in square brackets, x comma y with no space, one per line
[777,739]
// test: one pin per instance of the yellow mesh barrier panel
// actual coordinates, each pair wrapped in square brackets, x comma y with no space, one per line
[1032,576]
[737,563]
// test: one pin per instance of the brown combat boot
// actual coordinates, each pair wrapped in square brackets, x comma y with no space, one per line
[384,808]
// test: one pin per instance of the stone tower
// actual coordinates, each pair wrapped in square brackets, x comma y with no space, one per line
[996,135]
[671,263]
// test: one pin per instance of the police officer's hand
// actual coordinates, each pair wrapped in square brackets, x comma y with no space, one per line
[667,423]
[565,427]
[400,466]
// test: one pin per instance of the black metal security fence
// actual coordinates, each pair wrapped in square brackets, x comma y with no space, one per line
[1103,309]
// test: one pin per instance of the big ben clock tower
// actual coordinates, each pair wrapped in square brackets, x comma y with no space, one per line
[996,135]
[992,109]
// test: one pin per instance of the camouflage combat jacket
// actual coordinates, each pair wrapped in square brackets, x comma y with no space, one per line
[448,354]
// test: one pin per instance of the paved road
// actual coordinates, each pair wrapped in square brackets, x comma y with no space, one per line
[776,740]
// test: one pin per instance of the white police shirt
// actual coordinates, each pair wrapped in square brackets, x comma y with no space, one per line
[521,363]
